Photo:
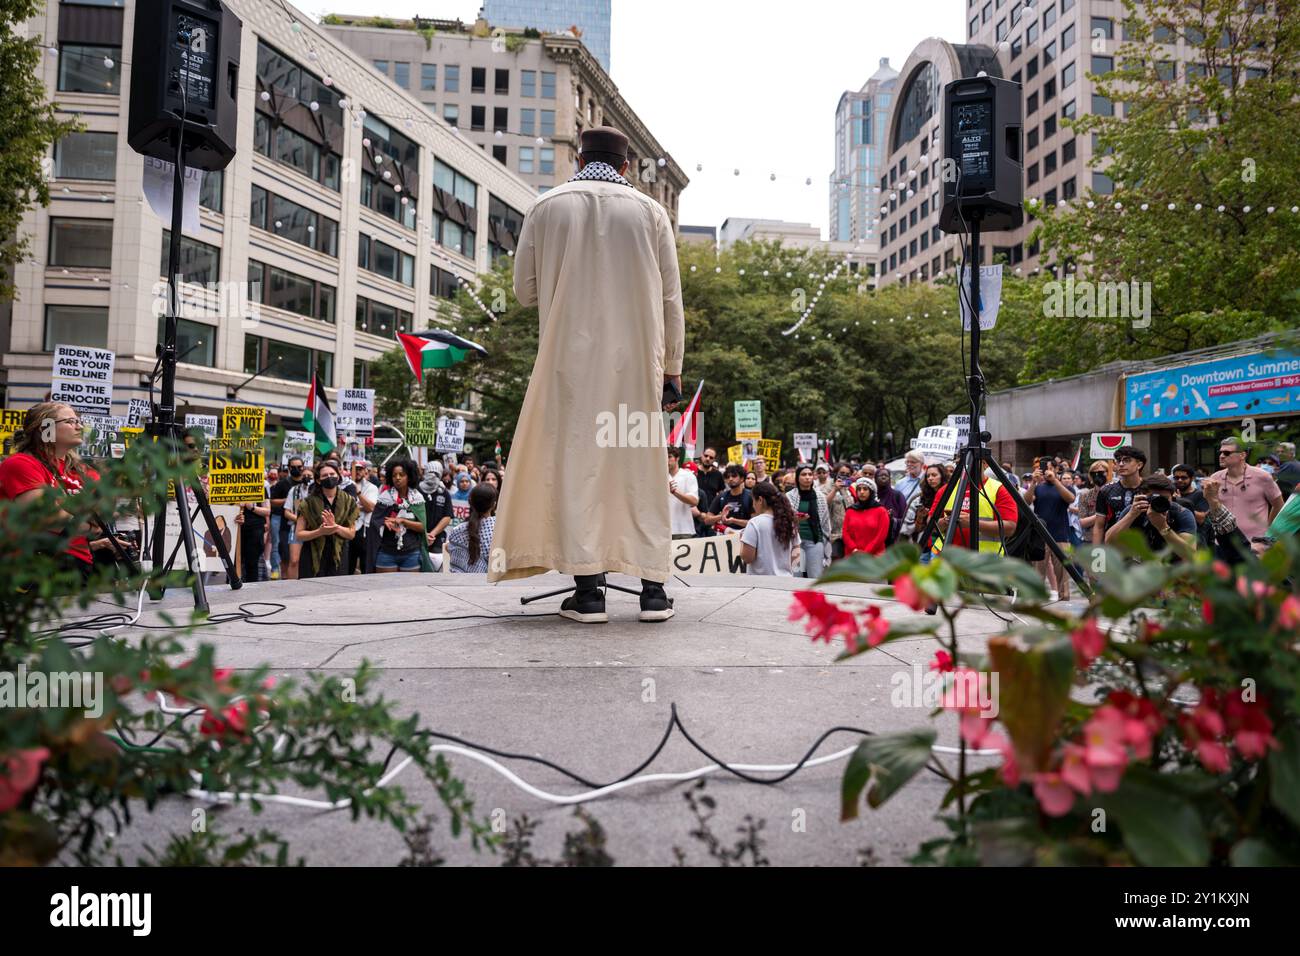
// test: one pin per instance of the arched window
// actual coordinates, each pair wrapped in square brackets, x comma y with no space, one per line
[920,100]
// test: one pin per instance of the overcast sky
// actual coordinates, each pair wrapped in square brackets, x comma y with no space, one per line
[741,84]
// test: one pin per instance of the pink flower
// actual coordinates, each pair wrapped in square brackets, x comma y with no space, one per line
[232,721]
[1010,768]
[1213,755]
[825,620]
[905,590]
[1088,643]
[1053,794]
[1259,588]
[1222,571]
[1250,726]
[1207,612]
[1150,630]
[18,773]
[1202,729]
[1142,721]
[975,730]
[942,662]
[1104,747]
[1074,769]
[877,626]
[1288,615]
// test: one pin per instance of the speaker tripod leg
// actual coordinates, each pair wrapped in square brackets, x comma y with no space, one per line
[1039,528]
[218,542]
[191,556]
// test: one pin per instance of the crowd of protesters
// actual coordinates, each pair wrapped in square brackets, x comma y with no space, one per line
[357,518]
[798,520]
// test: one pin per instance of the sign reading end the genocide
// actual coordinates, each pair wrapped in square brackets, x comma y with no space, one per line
[82,379]
[236,471]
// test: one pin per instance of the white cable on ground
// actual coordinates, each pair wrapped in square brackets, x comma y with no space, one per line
[139,609]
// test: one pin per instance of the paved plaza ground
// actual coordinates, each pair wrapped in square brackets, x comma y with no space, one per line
[747,682]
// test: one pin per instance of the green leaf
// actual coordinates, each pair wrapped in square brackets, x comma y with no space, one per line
[1284,774]
[862,568]
[996,572]
[1159,827]
[1255,852]
[883,764]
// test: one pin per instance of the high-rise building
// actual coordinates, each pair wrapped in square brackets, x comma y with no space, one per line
[554,16]
[347,214]
[860,121]
[523,100]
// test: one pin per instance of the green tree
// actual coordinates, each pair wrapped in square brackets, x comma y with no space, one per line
[28,125]
[1224,132]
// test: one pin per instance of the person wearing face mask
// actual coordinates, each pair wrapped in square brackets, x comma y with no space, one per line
[300,481]
[866,523]
[437,512]
[326,524]
[1099,475]
[291,476]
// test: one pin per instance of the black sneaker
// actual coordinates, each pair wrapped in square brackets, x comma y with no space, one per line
[656,605]
[585,606]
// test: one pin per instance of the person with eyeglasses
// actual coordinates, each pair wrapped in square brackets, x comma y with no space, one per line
[1189,494]
[1250,493]
[1115,498]
[45,457]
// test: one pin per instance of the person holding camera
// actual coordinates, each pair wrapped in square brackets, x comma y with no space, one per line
[1116,497]
[1051,499]
[1166,524]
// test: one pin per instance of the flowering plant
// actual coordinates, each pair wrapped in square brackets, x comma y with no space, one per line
[1159,726]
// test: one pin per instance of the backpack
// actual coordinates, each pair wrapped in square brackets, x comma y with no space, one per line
[891,537]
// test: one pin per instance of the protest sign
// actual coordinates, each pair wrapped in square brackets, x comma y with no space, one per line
[236,470]
[717,555]
[82,378]
[937,440]
[421,427]
[356,412]
[298,444]
[249,419]
[451,434]
[209,424]
[749,420]
[769,449]
[11,422]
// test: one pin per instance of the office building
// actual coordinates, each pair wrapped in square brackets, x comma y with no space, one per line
[591,17]
[860,122]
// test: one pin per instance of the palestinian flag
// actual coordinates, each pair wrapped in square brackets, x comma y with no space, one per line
[435,348]
[317,417]
[686,431]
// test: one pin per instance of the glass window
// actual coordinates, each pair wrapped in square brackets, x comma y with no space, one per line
[1049,52]
[527,82]
[500,119]
[525,159]
[974,25]
[1031,104]
[428,76]
[257,208]
[1049,127]
[548,85]
[293,362]
[402,74]
[1049,89]
[89,69]
[499,154]
[210,189]
[1067,75]
[548,123]
[199,262]
[1166,71]
[477,117]
[1015,13]
[1031,68]
[986,13]
[1049,163]
[1031,173]
[1031,33]
[1067,6]
[1069,151]
[1068,110]
[501,82]
[547,159]
[451,113]
[1031,139]
[1102,65]
[381,66]
[1101,183]
[451,78]
[1017,47]
[527,122]
[1049,17]
[1069,189]
[1102,106]
[86,156]
[1000,31]
[478,79]
[1068,36]
[194,340]
[81,243]
[76,325]
[1103,27]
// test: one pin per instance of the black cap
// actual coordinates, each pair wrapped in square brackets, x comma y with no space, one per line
[604,139]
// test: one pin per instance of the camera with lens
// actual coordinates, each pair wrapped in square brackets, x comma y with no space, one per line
[1160,504]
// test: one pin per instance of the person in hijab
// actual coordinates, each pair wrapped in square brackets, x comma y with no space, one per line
[460,498]
[814,522]
[866,522]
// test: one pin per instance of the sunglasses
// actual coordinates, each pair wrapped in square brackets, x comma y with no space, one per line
[1222,453]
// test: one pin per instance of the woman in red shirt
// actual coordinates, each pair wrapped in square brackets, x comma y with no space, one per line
[45,457]
[866,522]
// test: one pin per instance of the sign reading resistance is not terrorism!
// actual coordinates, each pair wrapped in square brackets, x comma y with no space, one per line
[236,471]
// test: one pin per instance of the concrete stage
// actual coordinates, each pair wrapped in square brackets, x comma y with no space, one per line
[748,684]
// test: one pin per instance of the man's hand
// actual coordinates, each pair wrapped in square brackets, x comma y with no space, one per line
[1158,521]
[677,381]
[1210,486]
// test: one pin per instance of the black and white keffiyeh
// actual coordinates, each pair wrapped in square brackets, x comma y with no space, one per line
[601,172]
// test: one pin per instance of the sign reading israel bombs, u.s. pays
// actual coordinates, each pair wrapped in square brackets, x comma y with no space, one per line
[236,471]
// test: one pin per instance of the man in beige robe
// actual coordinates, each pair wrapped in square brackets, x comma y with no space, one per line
[587,488]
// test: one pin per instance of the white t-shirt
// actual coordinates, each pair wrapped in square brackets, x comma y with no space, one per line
[760,534]
[680,511]
[366,491]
